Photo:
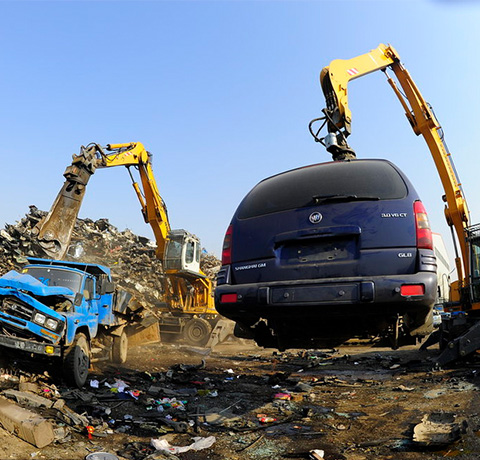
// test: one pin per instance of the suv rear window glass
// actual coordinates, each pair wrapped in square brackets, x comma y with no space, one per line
[358,179]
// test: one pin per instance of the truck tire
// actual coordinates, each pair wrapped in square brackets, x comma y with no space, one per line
[120,348]
[197,332]
[76,362]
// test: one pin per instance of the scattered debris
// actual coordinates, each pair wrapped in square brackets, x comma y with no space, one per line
[101,456]
[438,429]
[432,394]
[317,454]
[30,399]
[27,425]
[198,444]
[403,388]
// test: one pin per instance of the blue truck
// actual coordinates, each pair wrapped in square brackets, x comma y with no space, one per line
[66,311]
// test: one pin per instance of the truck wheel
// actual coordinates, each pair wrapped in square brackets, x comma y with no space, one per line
[77,361]
[120,348]
[197,332]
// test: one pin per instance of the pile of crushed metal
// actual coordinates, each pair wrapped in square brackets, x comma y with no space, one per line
[130,257]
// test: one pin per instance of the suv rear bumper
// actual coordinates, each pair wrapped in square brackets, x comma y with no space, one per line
[327,298]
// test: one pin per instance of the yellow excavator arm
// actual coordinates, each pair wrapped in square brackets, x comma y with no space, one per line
[154,209]
[335,77]
[337,116]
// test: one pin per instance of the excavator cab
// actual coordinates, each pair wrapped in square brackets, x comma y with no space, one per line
[182,253]
[473,237]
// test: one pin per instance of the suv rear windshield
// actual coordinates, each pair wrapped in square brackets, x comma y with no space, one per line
[358,179]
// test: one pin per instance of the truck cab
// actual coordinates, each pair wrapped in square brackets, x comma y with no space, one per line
[55,308]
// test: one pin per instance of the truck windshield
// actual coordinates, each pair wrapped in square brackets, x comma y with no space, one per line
[56,277]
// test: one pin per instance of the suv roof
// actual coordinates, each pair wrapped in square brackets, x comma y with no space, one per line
[315,184]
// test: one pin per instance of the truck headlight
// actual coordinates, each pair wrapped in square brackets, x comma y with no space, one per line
[51,324]
[39,319]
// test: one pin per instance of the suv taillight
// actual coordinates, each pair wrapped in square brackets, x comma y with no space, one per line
[424,234]
[227,247]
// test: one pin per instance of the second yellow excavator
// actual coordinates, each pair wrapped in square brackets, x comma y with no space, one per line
[188,291]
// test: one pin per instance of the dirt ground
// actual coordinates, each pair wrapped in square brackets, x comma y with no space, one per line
[355,403]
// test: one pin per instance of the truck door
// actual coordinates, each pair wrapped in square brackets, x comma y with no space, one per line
[91,303]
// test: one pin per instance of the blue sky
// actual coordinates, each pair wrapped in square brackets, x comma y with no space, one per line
[221,93]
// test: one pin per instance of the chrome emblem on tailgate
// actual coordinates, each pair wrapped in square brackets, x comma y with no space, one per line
[315,217]
[394,214]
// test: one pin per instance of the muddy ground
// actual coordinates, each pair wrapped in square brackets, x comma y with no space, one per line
[356,402]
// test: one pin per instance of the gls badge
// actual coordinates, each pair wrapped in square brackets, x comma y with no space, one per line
[403,255]
[315,217]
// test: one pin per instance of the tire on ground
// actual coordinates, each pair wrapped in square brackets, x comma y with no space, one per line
[120,348]
[76,361]
[197,332]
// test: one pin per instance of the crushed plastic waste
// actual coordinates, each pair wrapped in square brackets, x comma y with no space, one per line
[264,418]
[199,443]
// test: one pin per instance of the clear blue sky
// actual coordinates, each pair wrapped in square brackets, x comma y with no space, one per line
[221,92]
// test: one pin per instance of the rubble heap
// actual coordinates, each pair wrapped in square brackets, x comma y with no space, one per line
[210,265]
[130,257]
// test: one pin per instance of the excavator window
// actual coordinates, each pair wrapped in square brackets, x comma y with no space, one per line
[190,252]
[173,256]
[473,237]
[475,254]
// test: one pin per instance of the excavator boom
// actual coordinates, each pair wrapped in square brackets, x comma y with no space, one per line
[153,207]
[335,77]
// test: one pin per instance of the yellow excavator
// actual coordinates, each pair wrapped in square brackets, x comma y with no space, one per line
[459,334]
[188,290]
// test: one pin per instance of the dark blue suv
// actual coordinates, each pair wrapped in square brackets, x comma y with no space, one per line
[321,254]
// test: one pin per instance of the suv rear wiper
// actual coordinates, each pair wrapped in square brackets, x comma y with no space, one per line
[322,198]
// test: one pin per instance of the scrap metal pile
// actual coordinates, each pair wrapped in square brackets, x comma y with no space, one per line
[130,257]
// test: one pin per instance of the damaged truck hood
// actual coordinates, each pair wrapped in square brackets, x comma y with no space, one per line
[22,282]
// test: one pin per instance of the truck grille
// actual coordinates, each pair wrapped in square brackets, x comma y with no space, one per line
[14,307]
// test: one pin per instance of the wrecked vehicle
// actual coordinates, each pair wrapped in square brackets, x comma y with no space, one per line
[318,255]
[66,311]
